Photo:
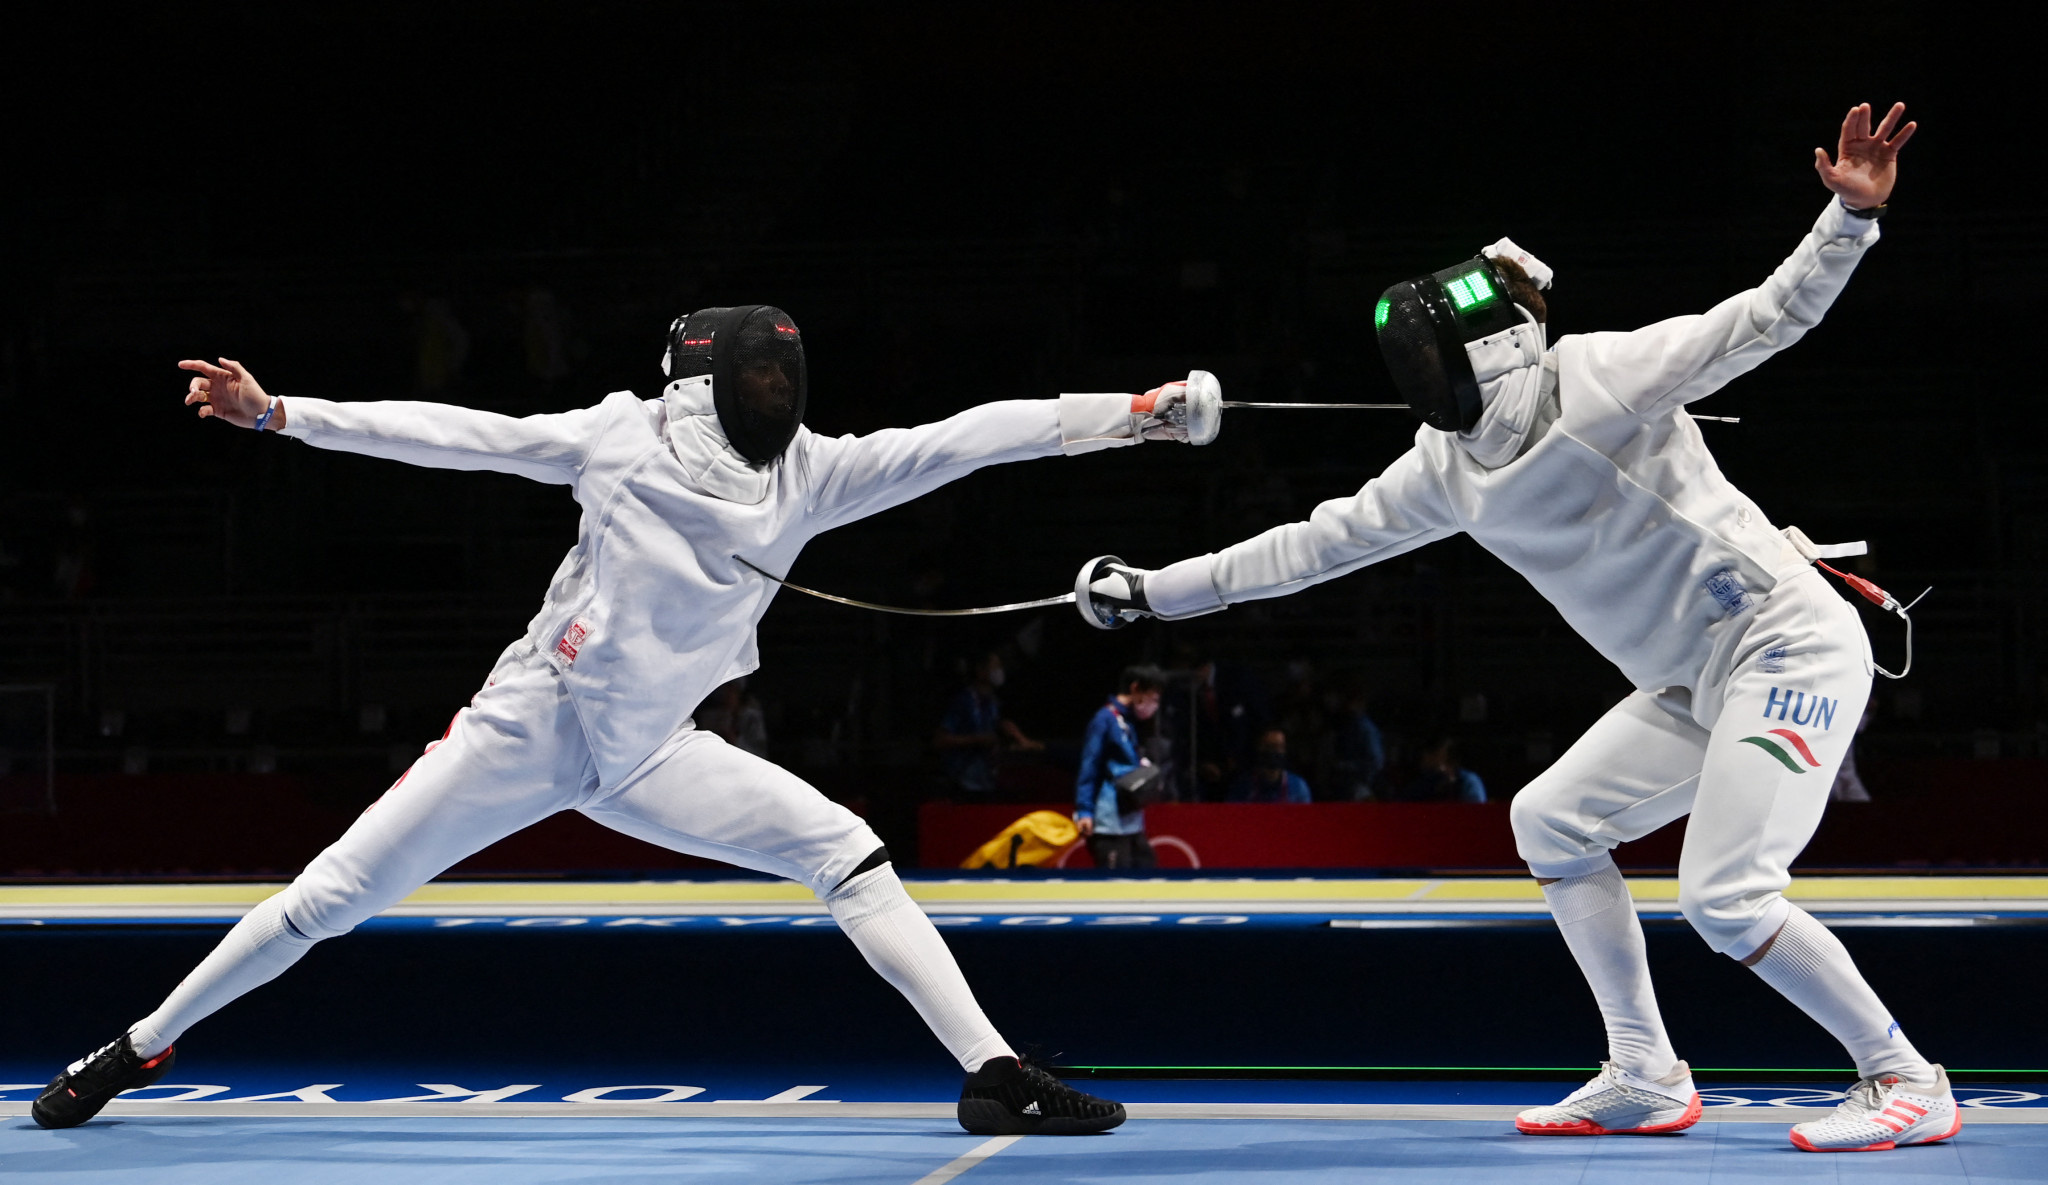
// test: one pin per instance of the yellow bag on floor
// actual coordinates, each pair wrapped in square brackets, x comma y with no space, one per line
[1037,838]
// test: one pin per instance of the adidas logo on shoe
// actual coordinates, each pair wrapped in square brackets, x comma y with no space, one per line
[1031,1108]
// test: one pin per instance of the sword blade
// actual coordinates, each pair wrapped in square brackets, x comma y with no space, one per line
[1042,602]
[1317,406]
[1386,407]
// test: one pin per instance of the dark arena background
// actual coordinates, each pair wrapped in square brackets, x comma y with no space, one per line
[220,648]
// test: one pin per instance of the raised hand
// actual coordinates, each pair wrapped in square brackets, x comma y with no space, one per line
[1866,163]
[227,392]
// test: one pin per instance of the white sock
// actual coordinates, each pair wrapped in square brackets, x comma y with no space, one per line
[1598,920]
[903,945]
[255,952]
[1810,967]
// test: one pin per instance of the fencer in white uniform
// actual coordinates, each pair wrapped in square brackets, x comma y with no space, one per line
[651,610]
[1578,465]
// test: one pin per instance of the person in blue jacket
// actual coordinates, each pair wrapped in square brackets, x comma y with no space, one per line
[1115,839]
[1441,777]
[1269,779]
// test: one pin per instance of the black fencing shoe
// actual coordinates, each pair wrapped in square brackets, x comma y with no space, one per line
[90,1083]
[1007,1097]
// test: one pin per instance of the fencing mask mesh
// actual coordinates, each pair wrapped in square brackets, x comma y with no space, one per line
[755,358]
[1423,325]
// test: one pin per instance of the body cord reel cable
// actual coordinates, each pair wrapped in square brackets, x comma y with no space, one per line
[1884,600]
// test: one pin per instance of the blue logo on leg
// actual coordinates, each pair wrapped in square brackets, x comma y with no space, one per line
[1817,711]
[1893,1031]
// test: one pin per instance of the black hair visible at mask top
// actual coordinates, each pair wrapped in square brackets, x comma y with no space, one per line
[759,384]
[1423,332]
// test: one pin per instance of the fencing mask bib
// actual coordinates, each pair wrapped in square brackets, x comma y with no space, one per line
[755,358]
[1424,325]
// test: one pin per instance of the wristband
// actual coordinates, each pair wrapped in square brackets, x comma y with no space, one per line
[263,421]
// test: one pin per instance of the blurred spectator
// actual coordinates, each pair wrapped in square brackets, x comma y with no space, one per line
[1439,777]
[441,343]
[736,716]
[76,570]
[1112,823]
[972,733]
[1848,785]
[1269,779]
[1358,751]
[1190,714]
[1231,708]
[1305,718]
[545,333]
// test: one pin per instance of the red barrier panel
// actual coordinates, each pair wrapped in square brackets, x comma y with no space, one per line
[265,825]
[1257,835]
[1929,814]
[1992,827]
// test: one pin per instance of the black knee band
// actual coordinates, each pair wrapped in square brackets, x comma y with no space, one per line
[876,859]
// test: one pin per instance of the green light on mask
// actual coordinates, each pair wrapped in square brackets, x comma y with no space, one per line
[1379,315]
[1469,291]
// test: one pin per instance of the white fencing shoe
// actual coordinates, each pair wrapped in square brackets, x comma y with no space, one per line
[1884,1113]
[1619,1103]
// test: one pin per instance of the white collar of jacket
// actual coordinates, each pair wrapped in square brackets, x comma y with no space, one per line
[710,462]
[1510,370]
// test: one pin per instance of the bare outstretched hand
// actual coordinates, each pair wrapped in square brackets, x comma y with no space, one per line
[1866,163]
[227,392]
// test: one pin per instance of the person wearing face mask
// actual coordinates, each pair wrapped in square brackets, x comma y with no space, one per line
[974,731]
[688,500]
[1578,465]
[1113,820]
[1440,778]
[1269,779]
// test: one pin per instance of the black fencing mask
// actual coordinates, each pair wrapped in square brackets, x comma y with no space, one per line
[1424,325]
[755,358]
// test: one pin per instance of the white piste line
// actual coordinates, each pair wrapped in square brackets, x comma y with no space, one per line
[795,1094]
[960,1164]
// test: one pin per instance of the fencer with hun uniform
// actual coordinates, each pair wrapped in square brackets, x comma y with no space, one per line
[654,607]
[1578,465]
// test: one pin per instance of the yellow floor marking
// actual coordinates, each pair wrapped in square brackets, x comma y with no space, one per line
[1488,889]
[1920,888]
[222,894]
[997,894]
[609,892]
[936,892]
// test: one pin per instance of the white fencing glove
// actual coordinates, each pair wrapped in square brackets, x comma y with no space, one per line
[1190,411]
[1110,593]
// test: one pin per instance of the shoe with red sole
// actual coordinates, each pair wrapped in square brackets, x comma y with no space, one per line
[91,1082]
[1883,1113]
[1619,1103]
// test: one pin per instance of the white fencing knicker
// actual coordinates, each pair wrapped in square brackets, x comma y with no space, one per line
[1755,784]
[517,754]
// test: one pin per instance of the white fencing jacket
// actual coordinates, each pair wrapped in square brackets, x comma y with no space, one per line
[650,611]
[1617,513]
